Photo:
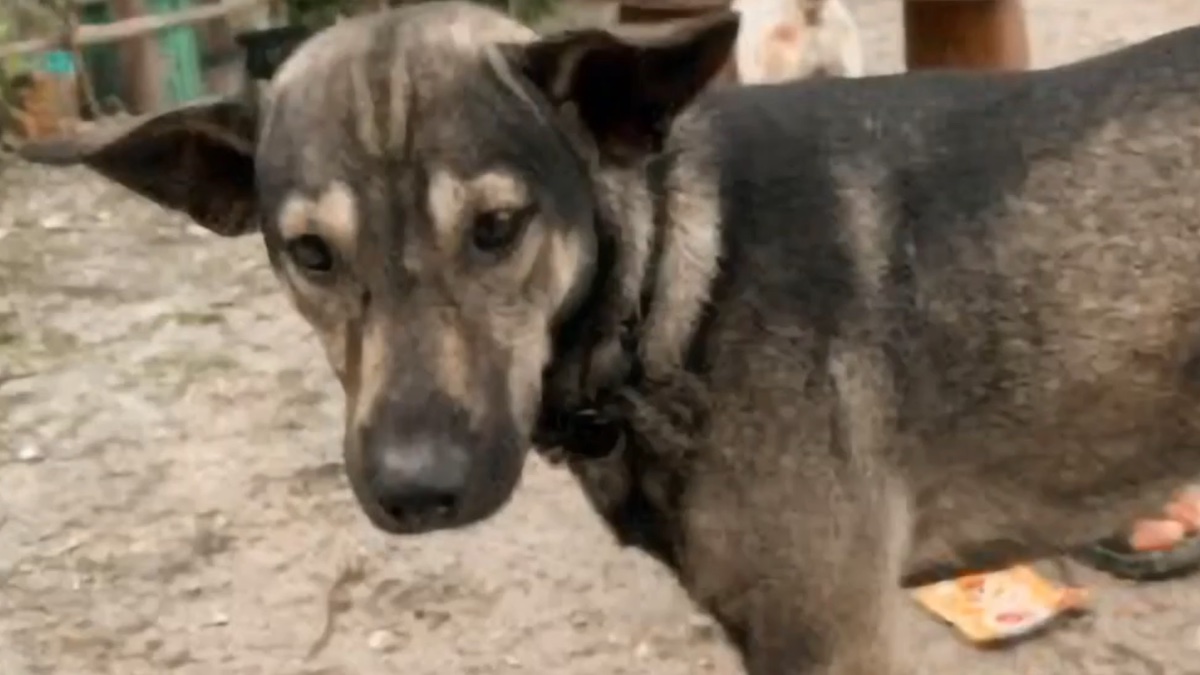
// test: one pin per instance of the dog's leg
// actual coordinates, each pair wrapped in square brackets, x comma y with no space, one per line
[848,623]
[797,547]
[849,631]
[812,591]
[837,611]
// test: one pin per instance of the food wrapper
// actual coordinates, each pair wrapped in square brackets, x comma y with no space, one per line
[999,606]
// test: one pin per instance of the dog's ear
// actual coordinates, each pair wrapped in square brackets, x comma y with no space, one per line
[628,85]
[198,159]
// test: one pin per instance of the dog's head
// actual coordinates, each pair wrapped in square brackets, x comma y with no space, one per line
[424,181]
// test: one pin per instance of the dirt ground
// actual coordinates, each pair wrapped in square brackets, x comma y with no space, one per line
[171,501]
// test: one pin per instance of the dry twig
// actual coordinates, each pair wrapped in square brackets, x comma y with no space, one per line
[337,602]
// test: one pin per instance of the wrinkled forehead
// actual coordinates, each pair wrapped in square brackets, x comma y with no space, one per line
[396,88]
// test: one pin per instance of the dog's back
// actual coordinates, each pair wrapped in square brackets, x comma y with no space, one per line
[1021,251]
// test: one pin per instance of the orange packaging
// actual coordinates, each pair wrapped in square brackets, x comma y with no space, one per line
[999,606]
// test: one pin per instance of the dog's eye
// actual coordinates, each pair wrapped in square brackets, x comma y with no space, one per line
[495,232]
[311,254]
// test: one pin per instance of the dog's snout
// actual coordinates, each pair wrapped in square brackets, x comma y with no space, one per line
[420,463]
[419,485]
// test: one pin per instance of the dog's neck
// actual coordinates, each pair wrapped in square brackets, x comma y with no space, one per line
[597,347]
[658,242]
[659,245]
[625,363]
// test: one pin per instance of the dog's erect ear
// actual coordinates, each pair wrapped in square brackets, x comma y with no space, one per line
[198,159]
[628,84]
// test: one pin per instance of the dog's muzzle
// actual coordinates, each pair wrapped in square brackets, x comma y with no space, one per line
[414,485]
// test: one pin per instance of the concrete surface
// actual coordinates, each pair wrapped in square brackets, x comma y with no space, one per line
[170,499]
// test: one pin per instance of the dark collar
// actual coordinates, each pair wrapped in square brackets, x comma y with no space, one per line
[596,427]
[591,428]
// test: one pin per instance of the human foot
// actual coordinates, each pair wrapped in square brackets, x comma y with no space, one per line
[1154,548]
[1182,518]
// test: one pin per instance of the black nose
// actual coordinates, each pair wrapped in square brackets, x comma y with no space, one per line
[419,485]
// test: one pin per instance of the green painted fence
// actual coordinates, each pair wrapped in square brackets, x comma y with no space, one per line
[185,79]
[180,44]
[103,62]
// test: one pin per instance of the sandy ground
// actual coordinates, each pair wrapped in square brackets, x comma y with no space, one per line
[170,498]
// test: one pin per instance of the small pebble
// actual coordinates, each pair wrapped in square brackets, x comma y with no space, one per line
[380,640]
[30,453]
[219,619]
[643,651]
[54,221]
[702,627]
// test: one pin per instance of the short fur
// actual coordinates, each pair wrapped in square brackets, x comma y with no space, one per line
[798,341]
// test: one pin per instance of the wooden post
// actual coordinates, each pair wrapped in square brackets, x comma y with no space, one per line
[141,62]
[976,34]
[85,92]
[220,55]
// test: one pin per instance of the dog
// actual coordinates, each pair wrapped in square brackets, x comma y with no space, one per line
[795,341]
[782,40]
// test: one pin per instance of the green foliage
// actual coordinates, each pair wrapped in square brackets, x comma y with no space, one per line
[532,11]
[316,14]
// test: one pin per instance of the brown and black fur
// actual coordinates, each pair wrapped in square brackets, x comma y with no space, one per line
[796,341]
